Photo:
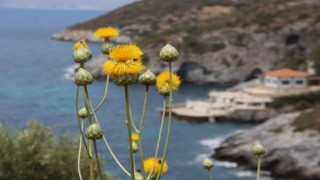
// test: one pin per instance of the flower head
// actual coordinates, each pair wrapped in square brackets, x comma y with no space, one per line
[134,137]
[106,32]
[115,69]
[163,81]
[156,164]
[80,44]
[126,52]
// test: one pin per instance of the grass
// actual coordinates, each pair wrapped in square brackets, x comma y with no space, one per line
[308,121]
[276,130]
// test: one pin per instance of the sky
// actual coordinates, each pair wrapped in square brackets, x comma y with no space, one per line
[65,4]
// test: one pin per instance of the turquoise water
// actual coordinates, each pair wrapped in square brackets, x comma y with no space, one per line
[33,87]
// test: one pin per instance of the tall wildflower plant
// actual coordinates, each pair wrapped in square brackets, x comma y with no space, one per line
[125,66]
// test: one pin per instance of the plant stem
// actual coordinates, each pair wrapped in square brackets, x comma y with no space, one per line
[169,122]
[258,167]
[79,124]
[160,133]
[85,99]
[104,96]
[129,125]
[79,154]
[210,175]
[97,158]
[114,157]
[140,131]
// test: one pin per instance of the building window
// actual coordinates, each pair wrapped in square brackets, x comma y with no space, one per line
[299,82]
[285,82]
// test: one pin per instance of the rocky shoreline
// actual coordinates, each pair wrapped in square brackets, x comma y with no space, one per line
[290,154]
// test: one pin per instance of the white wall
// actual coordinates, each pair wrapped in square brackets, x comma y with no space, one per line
[285,82]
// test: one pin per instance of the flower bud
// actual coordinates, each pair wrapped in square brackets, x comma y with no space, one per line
[134,147]
[258,149]
[83,113]
[82,55]
[164,91]
[125,80]
[147,78]
[94,132]
[169,53]
[106,47]
[138,176]
[83,77]
[207,163]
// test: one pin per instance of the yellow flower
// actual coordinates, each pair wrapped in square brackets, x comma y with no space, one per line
[122,68]
[126,52]
[106,32]
[80,44]
[134,137]
[156,162]
[163,81]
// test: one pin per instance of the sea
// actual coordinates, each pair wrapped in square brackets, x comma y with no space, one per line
[35,85]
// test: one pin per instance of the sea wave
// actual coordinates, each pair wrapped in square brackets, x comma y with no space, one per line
[245,174]
[69,72]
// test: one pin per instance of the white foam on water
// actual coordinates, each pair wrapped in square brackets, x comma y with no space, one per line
[244,174]
[226,164]
[69,72]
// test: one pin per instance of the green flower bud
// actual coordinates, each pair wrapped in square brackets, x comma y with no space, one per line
[258,149]
[164,91]
[125,80]
[106,46]
[134,147]
[83,113]
[207,163]
[94,132]
[138,176]
[169,53]
[82,55]
[83,77]
[147,78]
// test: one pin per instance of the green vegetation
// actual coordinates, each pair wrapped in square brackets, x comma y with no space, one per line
[276,130]
[301,101]
[308,120]
[296,62]
[36,154]
[315,57]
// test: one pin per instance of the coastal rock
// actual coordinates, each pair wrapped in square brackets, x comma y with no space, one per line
[290,154]
[218,41]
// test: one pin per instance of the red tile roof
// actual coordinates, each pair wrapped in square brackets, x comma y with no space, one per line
[286,73]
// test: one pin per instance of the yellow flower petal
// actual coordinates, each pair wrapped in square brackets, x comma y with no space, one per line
[126,52]
[122,68]
[134,137]
[80,44]
[163,81]
[106,32]
[156,164]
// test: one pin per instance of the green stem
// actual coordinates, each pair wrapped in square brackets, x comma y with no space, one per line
[79,124]
[160,133]
[85,99]
[79,154]
[114,157]
[140,131]
[258,167]
[104,139]
[129,125]
[104,96]
[132,122]
[169,122]
[97,158]
[210,175]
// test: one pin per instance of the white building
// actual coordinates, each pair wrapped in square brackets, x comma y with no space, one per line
[285,78]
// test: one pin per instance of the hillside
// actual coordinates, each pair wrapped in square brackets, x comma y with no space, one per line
[220,41]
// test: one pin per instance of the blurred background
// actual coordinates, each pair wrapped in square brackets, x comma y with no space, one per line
[221,44]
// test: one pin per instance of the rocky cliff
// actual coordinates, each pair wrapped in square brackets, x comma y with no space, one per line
[220,41]
[292,147]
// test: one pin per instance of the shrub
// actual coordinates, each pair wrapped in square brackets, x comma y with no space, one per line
[35,153]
